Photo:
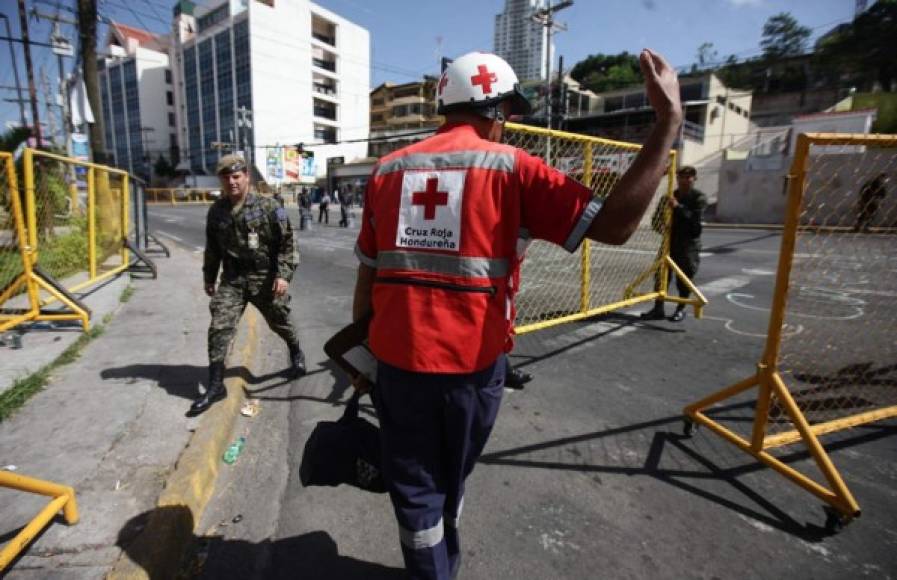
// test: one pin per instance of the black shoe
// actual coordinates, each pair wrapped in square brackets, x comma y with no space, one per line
[515,379]
[678,315]
[297,362]
[215,392]
[655,313]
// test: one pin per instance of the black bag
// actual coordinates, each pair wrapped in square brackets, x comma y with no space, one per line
[344,451]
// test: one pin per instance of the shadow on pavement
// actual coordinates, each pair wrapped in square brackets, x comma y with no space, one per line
[311,556]
[338,379]
[706,470]
[178,380]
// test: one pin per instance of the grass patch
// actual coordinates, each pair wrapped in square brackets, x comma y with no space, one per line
[25,388]
[126,293]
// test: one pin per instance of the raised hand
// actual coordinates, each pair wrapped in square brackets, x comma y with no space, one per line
[661,86]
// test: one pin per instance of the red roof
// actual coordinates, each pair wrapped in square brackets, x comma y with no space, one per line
[141,36]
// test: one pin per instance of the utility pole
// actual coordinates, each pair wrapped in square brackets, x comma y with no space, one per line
[29,71]
[545,17]
[15,71]
[87,29]
[48,103]
[62,47]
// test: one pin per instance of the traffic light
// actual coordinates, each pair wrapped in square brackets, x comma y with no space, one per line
[304,153]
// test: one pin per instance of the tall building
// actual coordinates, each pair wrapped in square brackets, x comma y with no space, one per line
[137,98]
[401,114]
[521,41]
[254,74]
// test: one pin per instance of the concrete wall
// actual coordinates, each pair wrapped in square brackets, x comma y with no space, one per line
[750,193]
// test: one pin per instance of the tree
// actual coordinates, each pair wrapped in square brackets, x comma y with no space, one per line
[707,55]
[783,36]
[863,52]
[605,72]
[14,137]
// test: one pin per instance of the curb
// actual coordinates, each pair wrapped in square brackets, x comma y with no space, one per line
[159,548]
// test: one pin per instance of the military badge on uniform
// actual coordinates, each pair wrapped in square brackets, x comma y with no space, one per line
[253,240]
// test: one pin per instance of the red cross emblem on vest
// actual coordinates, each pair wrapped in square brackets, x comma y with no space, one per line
[484,79]
[430,198]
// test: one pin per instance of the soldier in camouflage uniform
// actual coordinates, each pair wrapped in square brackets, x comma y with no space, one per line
[685,238]
[249,238]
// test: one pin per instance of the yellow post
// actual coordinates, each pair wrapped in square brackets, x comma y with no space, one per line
[30,206]
[585,291]
[91,223]
[664,271]
[786,253]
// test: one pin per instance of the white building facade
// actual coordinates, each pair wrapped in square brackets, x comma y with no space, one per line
[256,74]
[137,98]
[521,41]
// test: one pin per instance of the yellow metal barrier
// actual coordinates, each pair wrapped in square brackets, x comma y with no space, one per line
[557,287]
[828,364]
[180,195]
[63,500]
[75,221]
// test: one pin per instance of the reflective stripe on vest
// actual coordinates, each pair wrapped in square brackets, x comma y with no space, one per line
[422,539]
[579,230]
[492,160]
[465,266]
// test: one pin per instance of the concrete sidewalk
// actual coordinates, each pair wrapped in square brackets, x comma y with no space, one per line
[112,425]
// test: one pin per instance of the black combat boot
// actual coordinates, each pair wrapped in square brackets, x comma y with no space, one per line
[679,314]
[215,392]
[515,378]
[297,361]
[656,313]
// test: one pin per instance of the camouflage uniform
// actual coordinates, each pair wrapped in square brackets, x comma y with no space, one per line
[247,274]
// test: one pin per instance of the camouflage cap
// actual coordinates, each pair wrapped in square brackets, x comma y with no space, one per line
[230,164]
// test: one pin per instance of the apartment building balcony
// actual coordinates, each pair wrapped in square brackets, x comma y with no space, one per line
[329,65]
[323,30]
[324,110]
[324,87]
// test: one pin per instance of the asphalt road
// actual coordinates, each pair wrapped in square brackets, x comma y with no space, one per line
[586,474]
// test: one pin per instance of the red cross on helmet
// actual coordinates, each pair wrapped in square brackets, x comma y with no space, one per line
[479,80]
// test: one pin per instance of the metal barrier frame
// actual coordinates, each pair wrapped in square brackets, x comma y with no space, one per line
[63,499]
[659,268]
[32,280]
[768,379]
[92,168]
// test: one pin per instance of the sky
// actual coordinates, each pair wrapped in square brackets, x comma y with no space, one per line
[409,36]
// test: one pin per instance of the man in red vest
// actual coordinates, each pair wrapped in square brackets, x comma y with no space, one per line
[437,248]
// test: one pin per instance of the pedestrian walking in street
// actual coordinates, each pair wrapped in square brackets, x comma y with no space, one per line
[344,206]
[688,206]
[324,208]
[249,240]
[437,248]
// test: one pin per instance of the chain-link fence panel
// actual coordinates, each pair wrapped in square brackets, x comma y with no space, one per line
[557,286]
[56,213]
[110,202]
[79,213]
[829,360]
[840,358]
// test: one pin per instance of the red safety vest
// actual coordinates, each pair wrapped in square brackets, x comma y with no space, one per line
[440,225]
[446,216]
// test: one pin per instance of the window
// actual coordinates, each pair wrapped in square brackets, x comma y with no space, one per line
[169,97]
[171,120]
[167,76]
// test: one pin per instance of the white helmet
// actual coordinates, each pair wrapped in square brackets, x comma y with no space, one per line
[479,81]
